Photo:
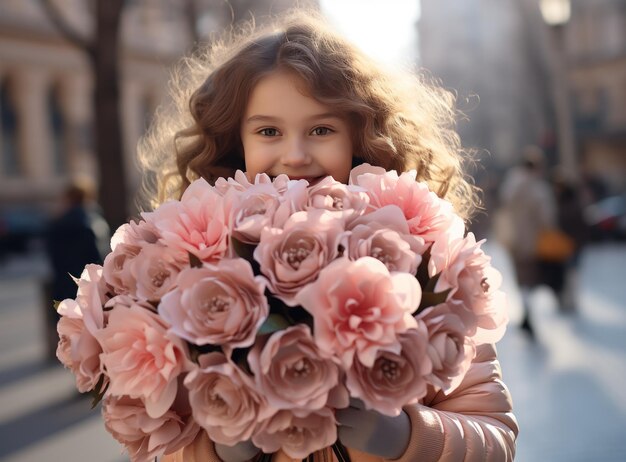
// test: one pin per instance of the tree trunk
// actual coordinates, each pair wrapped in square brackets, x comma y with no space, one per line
[108,137]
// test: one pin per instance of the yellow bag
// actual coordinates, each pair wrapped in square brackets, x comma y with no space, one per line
[554,245]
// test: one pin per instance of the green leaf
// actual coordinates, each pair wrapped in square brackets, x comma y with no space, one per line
[432,299]
[432,283]
[194,261]
[98,391]
[56,304]
[242,249]
[273,323]
[422,269]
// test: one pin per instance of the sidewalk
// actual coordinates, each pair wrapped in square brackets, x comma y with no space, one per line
[567,387]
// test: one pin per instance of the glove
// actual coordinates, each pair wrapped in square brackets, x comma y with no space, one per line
[372,432]
[240,452]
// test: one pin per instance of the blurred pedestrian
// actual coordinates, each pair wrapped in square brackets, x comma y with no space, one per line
[529,205]
[561,275]
[75,236]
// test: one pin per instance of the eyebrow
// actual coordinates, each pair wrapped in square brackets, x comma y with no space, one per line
[272,119]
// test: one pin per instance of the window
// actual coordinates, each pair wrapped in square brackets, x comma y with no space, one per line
[58,132]
[11,165]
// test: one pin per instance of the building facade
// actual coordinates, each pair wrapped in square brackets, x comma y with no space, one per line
[46,85]
[595,47]
[501,52]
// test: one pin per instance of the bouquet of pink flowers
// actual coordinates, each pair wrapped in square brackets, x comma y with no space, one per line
[252,311]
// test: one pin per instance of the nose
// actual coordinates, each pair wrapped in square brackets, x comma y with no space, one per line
[296,154]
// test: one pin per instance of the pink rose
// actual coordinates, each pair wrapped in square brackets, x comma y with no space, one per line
[145,272]
[473,284]
[450,351]
[364,169]
[384,235]
[91,296]
[292,257]
[348,202]
[359,308]
[198,224]
[294,196]
[428,216]
[154,271]
[252,211]
[81,320]
[291,373]
[224,400]
[117,268]
[145,437]
[79,351]
[395,379]
[141,358]
[220,305]
[297,433]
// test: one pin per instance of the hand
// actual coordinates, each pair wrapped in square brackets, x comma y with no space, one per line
[372,432]
[240,452]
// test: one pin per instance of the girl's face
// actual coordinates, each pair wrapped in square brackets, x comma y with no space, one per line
[285,131]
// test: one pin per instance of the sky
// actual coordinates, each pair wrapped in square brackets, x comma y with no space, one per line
[384,29]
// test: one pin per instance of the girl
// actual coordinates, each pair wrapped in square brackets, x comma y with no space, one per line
[300,100]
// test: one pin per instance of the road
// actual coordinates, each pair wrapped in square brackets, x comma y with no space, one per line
[567,385]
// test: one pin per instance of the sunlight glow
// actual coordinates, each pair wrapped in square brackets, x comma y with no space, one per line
[384,29]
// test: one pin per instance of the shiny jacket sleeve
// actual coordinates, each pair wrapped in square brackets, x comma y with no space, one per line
[201,450]
[473,423]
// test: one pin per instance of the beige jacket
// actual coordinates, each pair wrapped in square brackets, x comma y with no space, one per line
[473,423]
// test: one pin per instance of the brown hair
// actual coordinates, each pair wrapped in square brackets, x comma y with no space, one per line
[399,121]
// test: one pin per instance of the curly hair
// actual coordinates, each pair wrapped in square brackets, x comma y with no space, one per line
[399,121]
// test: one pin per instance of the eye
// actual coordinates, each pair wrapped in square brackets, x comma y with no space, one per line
[268,132]
[321,131]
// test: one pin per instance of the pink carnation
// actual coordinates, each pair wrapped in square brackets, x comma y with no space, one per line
[473,284]
[297,433]
[290,360]
[135,234]
[238,183]
[292,257]
[359,308]
[220,305]
[224,400]
[428,216]
[144,437]
[141,359]
[450,351]
[198,224]
[395,379]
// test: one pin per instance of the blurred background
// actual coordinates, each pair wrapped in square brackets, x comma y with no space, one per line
[81,79]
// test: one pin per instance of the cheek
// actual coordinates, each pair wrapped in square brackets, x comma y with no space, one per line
[340,162]
[257,158]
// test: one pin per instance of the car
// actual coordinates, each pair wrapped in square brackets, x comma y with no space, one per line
[607,218]
[19,227]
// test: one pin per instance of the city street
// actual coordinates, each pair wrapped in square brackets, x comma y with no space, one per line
[568,385]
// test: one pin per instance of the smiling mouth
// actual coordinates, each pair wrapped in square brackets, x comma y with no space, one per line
[311,179]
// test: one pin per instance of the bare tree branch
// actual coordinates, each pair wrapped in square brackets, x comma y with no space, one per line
[68,32]
[191,16]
